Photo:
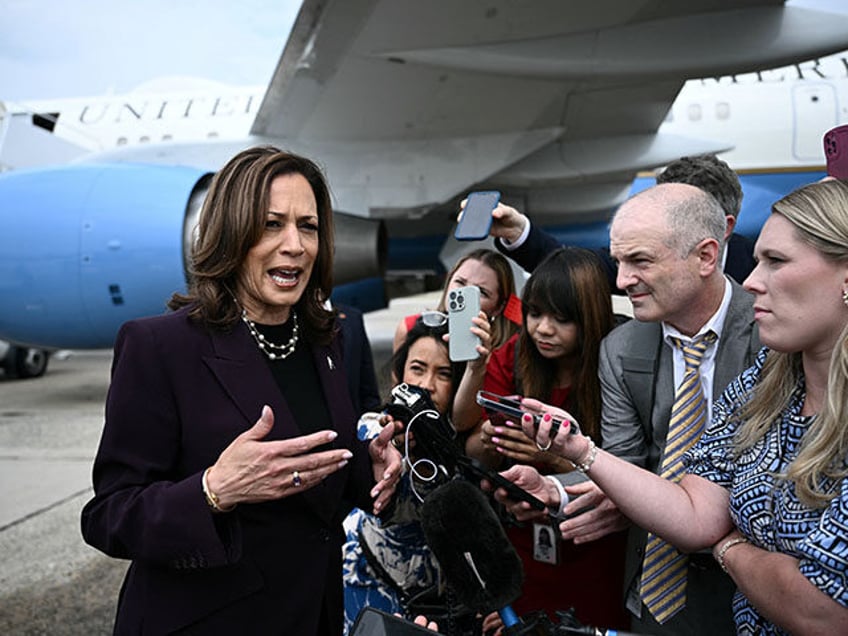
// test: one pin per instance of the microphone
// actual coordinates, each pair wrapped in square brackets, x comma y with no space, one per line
[480,563]
[467,539]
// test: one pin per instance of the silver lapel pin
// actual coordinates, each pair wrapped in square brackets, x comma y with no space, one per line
[330,363]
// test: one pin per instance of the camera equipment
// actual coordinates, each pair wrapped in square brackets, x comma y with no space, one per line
[435,440]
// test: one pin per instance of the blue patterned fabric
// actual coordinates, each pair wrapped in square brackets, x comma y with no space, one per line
[767,510]
[400,548]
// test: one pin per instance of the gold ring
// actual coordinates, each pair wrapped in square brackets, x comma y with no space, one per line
[296,480]
[546,447]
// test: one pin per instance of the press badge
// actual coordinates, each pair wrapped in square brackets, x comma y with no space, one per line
[545,544]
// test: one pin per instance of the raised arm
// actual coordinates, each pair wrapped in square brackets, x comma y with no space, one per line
[692,514]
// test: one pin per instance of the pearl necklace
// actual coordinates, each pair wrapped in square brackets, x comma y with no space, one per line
[270,349]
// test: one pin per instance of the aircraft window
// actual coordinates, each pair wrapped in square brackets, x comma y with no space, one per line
[122,141]
[694,112]
[211,134]
[722,110]
[167,137]
[143,139]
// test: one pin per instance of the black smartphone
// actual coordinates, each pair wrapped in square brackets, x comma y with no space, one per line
[516,493]
[511,406]
[836,151]
[374,622]
[476,219]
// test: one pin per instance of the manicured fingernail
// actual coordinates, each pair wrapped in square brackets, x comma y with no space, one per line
[496,440]
[547,417]
[347,454]
[342,463]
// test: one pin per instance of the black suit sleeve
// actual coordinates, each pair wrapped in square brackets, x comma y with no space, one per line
[540,244]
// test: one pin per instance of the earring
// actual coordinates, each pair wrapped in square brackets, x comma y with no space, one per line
[845,296]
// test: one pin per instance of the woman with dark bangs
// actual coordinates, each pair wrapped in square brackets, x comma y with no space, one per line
[567,310]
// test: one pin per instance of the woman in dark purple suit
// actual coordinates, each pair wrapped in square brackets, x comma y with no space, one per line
[229,455]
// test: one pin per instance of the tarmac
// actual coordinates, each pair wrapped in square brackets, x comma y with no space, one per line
[50,581]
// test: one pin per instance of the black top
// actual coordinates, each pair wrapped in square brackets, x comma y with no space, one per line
[298,380]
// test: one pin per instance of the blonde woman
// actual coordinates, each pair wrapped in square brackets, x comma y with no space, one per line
[766,484]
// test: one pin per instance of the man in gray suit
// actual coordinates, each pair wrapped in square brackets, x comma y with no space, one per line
[667,241]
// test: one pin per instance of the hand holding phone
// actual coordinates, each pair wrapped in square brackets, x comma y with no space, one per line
[463,304]
[511,406]
[515,492]
[476,219]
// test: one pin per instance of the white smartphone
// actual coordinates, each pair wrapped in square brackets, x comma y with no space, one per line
[476,216]
[463,304]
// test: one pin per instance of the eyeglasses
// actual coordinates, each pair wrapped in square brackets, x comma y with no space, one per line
[434,318]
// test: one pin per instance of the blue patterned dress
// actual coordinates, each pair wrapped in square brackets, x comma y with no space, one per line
[767,510]
[400,549]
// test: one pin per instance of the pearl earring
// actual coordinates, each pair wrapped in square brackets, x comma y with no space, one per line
[845,296]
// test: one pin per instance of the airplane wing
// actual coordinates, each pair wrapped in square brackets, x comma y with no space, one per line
[557,104]
[409,105]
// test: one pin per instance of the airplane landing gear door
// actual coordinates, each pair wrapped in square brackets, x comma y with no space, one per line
[815,111]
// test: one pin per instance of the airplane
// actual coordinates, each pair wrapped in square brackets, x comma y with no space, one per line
[407,106]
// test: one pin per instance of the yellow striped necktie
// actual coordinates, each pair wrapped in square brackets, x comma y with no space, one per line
[663,583]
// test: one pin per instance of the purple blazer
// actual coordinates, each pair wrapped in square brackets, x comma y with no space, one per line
[179,395]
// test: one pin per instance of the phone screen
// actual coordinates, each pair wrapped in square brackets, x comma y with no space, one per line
[477,216]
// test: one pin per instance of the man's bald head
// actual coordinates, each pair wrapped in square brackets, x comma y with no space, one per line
[688,213]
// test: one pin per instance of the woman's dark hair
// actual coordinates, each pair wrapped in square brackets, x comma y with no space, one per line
[420,330]
[570,284]
[233,220]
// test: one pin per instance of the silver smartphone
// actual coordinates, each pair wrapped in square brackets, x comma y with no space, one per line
[463,304]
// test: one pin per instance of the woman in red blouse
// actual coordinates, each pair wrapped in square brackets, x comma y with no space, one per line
[567,310]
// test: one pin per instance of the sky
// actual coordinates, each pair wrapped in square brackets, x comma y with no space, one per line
[82,48]
[57,48]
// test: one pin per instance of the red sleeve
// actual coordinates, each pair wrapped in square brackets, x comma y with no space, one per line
[411,320]
[500,371]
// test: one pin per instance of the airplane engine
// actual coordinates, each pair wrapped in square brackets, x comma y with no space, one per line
[86,247]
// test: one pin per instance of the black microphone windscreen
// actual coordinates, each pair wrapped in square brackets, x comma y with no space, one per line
[468,541]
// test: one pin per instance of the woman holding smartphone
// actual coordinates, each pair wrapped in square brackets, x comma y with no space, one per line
[567,310]
[387,563]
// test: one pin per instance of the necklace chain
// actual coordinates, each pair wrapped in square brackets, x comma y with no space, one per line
[270,349]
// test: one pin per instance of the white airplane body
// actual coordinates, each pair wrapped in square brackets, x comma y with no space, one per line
[769,120]
[182,110]
[774,119]
[408,106]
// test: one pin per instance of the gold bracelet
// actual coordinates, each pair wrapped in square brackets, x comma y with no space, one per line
[211,498]
[591,455]
[725,547]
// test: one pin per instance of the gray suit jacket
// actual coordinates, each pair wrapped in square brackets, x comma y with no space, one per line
[637,379]
[637,388]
